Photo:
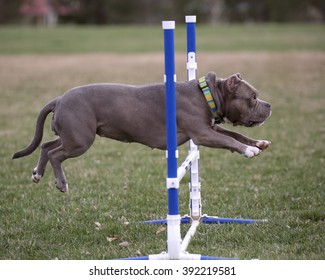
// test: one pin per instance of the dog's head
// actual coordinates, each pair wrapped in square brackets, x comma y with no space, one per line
[240,104]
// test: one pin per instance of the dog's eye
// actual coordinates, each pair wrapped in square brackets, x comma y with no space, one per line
[254,96]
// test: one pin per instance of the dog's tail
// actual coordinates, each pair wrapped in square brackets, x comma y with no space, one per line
[49,107]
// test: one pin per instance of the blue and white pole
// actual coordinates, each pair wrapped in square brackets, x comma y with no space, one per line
[172,182]
[191,47]
[194,185]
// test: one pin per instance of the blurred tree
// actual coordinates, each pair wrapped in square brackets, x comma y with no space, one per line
[153,11]
[46,12]
[275,10]
[38,11]
[9,11]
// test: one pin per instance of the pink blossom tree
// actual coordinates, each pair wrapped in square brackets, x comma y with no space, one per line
[36,10]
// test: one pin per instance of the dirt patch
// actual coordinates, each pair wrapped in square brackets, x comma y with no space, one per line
[133,68]
[52,75]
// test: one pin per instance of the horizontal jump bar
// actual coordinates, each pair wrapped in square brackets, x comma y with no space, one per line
[185,166]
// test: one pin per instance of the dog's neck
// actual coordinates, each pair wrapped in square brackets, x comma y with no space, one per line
[220,99]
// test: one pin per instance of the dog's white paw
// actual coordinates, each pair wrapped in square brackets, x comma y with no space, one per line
[251,151]
[36,177]
[263,144]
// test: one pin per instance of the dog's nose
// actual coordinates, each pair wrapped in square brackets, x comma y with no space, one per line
[267,105]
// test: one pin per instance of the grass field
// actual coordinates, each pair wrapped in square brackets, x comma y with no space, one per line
[139,39]
[116,182]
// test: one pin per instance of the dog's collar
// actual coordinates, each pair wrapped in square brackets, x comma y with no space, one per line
[209,98]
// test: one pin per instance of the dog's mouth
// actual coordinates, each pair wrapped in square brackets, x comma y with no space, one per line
[252,123]
[248,123]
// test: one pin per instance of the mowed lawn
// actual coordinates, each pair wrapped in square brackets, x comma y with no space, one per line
[116,182]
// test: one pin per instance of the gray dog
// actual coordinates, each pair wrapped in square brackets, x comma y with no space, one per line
[137,114]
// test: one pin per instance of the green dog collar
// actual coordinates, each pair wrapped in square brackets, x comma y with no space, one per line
[209,98]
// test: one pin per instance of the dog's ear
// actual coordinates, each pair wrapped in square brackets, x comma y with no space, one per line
[233,82]
[211,77]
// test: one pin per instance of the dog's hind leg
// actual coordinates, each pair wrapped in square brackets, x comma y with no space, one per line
[57,156]
[39,170]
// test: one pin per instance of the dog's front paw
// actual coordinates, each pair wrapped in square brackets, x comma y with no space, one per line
[263,144]
[251,151]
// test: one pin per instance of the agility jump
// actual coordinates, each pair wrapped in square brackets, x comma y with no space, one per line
[176,246]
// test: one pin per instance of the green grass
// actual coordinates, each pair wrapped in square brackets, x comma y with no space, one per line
[116,182]
[133,39]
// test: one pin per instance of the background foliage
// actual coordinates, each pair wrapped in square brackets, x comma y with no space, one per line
[153,11]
